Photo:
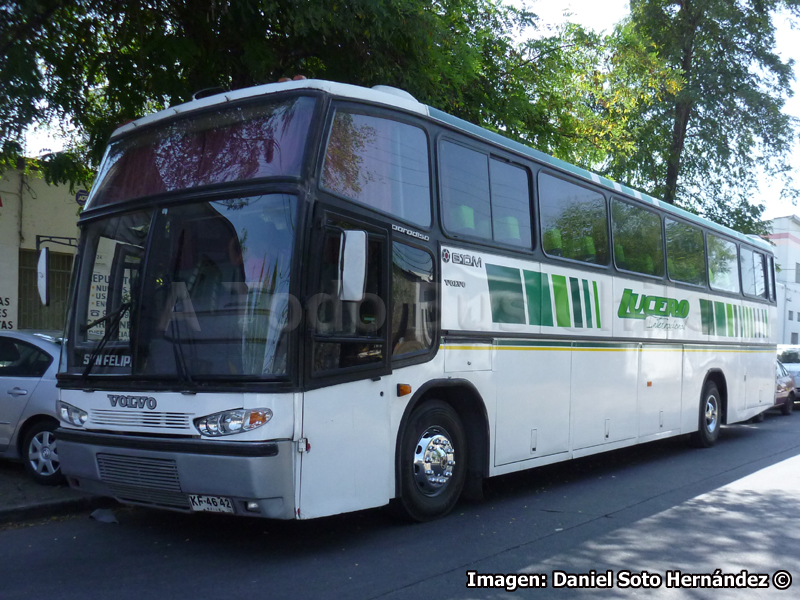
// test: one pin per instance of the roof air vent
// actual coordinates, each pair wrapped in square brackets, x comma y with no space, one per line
[387,89]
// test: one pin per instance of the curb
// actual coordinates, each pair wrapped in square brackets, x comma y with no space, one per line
[54,508]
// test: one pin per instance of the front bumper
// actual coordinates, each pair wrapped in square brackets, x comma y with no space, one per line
[162,472]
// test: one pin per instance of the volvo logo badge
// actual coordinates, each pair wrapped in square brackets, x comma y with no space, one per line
[133,401]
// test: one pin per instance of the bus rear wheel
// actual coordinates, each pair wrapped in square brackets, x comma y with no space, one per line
[433,461]
[709,417]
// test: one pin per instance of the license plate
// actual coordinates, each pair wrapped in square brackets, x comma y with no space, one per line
[211,503]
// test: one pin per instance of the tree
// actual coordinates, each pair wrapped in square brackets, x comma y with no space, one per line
[94,64]
[702,146]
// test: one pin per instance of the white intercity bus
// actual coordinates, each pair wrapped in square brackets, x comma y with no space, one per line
[306,298]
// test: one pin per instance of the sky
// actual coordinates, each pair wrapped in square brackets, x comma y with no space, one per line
[600,15]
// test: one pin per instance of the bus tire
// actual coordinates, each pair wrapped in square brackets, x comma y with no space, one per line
[433,462]
[709,417]
[788,406]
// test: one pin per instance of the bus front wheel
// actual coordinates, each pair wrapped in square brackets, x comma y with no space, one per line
[433,461]
[709,418]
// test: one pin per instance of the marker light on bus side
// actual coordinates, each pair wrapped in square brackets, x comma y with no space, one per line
[233,421]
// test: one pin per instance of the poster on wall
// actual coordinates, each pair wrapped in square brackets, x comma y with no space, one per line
[98,293]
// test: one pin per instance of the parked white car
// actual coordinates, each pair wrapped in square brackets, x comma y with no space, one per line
[28,367]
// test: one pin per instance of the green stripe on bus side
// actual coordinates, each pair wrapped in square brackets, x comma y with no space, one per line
[729,308]
[596,304]
[540,309]
[587,303]
[705,319]
[576,301]
[719,312]
[744,321]
[505,294]
[562,301]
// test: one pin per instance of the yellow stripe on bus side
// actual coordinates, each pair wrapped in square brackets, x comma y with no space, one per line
[579,349]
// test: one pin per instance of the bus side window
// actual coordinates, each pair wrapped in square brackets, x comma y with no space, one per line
[686,255]
[574,221]
[511,204]
[723,267]
[484,197]
[638,244]
[465,191]
[753,276]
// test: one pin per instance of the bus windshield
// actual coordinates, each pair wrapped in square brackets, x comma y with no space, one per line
[228,144]
[216,278]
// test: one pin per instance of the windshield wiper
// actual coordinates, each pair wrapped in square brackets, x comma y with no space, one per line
[113,319]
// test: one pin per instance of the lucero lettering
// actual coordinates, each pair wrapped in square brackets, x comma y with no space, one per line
[634,306]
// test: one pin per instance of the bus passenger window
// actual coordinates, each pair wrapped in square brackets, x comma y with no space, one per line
[511,204]
[638,245]
[465,191]
[753,280]
[472,206]
[686,254]
[723,268]
[574,221]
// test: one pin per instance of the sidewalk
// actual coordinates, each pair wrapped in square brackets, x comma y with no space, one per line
[21,498]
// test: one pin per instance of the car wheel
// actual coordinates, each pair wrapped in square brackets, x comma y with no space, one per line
[788,406]
[40,454]
[759,418]
[433,461]
[709,417]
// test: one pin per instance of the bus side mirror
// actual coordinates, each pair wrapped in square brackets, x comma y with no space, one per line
[43,276]
[352,265]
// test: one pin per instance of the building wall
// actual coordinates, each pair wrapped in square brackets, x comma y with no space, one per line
[786,238]
[30,207]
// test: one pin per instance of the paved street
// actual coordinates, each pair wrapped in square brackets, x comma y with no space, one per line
[659,507]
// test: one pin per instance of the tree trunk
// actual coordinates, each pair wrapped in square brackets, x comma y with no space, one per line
[683,103]
[683,110]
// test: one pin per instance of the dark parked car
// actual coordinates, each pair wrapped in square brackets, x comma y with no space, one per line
[28,366]
[784,389]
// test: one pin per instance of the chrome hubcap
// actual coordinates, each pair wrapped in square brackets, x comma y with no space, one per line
[711,413]
[434,461]
[43,454]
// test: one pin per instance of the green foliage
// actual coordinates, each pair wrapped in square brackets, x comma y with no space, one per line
[91,65]
[703,146]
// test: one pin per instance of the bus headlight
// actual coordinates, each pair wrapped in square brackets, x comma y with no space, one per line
[71,414]
[232,421]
